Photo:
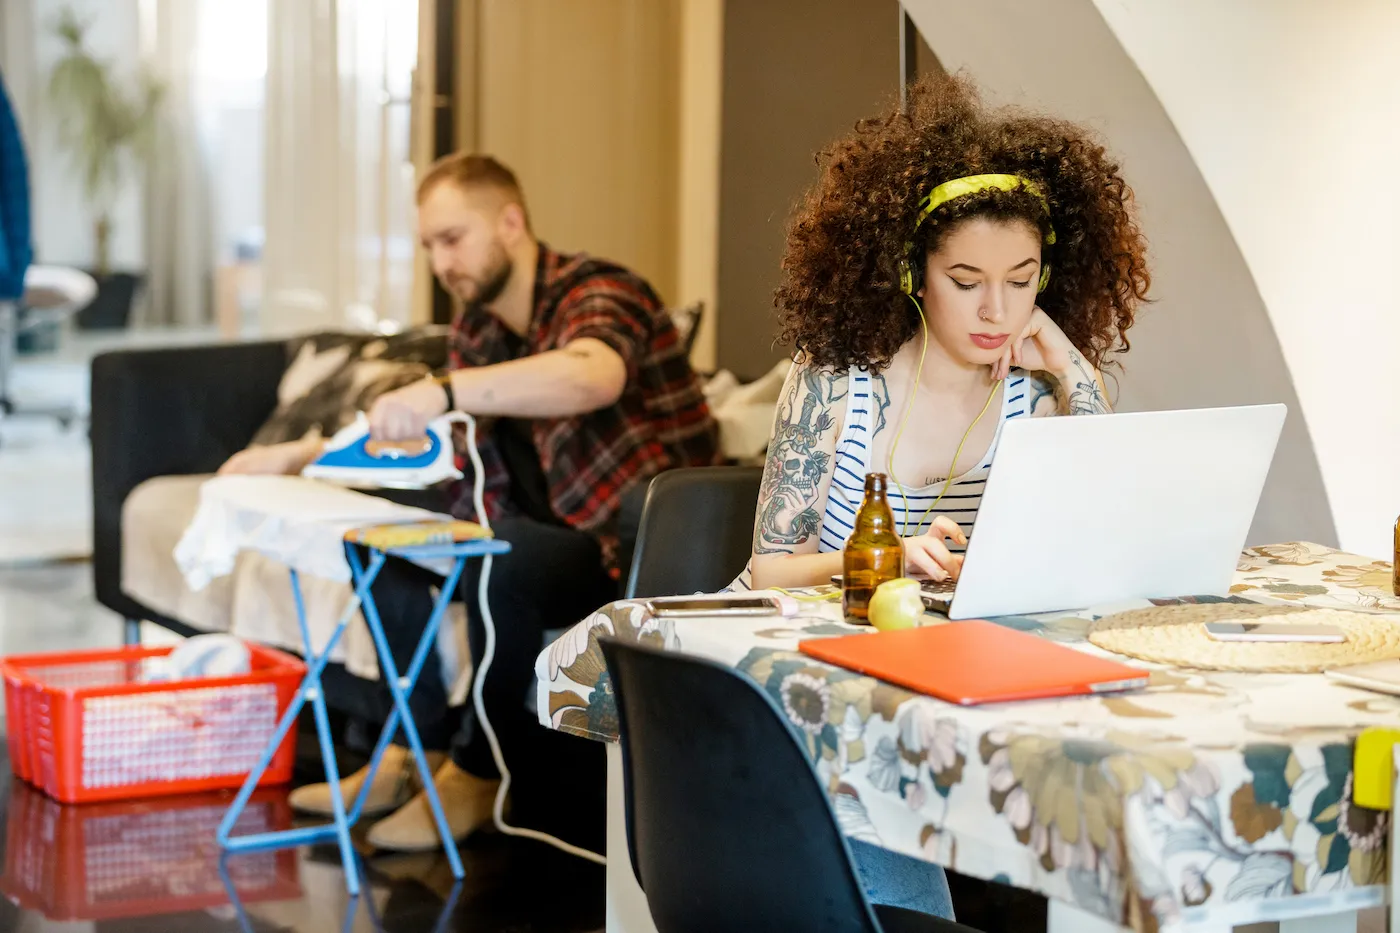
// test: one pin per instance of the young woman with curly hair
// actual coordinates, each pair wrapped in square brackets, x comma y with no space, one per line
[955,267]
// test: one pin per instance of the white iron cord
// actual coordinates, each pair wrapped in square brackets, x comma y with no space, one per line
[488,653]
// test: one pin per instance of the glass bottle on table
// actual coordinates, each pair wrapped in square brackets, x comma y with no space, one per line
[1395,567]
[874,552]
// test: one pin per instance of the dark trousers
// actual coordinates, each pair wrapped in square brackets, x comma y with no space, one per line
[552,578]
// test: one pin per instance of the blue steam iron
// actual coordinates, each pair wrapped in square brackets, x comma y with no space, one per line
[353,458]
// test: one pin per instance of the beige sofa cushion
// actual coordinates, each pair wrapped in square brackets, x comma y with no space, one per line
[154,517]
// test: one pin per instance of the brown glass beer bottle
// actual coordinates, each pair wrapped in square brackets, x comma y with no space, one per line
[874,552]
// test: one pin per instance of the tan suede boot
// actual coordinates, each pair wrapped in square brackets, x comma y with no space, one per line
[466,802]
[394,784]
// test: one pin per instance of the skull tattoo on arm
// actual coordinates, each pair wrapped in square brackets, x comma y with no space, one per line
[789,497]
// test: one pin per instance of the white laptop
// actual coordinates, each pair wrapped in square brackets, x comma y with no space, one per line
[1097,509]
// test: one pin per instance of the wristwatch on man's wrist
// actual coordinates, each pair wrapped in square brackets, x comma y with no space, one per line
[445,381]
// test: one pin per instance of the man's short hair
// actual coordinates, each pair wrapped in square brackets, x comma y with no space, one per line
[472,170]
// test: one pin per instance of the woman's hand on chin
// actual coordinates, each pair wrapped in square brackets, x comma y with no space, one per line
[1040,347]
[1043,347]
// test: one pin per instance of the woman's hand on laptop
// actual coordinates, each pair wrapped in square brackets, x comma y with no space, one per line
[927,553]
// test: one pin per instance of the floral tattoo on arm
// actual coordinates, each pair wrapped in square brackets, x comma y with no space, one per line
[1084,395]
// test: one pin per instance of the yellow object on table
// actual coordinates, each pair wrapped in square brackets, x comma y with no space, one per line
[416,534]
[897,604]
[1373,781]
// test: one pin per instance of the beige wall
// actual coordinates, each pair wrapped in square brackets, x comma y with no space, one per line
[688,174]
[1207,339]
[580,99]
[697,236]
[1288,108]
[797,74]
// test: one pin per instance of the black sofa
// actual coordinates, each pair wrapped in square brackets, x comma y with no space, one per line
[168,412]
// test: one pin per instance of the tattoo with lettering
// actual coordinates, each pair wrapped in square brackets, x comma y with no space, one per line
[879,403]
[1082,388]
[788,514]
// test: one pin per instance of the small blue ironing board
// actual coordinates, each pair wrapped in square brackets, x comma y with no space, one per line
[460,541]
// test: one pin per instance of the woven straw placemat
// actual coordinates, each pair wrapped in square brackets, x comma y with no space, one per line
[1176,635]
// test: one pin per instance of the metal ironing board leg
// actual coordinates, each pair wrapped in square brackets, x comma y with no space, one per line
[310,689]
[415,667]
[400,686]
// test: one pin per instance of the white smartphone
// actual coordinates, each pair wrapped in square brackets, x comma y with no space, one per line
[724,604]
[1273,631]
[1381,676]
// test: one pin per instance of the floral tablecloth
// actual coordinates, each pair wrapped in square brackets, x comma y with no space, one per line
[1145,808]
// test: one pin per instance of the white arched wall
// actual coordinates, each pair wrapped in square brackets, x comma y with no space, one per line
[1291,110]
[1207,340]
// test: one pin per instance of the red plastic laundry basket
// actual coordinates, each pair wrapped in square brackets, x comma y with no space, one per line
[15,714]
[139,858]
[84,726]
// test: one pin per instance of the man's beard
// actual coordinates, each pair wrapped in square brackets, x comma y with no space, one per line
[490,286]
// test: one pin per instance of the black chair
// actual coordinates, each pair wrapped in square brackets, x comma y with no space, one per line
[695,532]
[727,826]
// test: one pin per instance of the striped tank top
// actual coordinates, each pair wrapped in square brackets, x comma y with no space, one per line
[852,462]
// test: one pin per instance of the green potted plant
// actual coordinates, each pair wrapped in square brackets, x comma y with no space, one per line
[107,127]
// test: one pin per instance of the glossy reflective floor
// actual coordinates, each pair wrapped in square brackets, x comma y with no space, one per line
[152,866]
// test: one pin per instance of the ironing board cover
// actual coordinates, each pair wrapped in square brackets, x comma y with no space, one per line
[416,534]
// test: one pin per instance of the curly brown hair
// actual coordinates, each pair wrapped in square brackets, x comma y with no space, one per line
[840,302]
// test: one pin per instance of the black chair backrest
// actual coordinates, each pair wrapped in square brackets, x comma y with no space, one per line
[696,531]
[728,827]
[687,321]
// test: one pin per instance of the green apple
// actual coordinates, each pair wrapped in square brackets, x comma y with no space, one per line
[896,604]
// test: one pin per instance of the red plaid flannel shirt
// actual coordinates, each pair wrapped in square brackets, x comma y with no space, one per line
[591,461]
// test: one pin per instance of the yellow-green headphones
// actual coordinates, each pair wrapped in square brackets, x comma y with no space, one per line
[958,187]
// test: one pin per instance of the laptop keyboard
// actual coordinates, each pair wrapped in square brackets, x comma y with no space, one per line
[935,588]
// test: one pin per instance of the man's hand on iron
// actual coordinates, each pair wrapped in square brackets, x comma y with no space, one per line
[403,415]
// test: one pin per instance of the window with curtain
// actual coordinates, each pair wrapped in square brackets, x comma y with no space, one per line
[339,247]
[230,79]
[205,189]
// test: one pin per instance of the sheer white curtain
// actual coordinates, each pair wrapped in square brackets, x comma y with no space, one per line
[338,197]
[385,52]
[180,238]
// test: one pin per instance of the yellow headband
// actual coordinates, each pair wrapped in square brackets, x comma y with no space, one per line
[971,184]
